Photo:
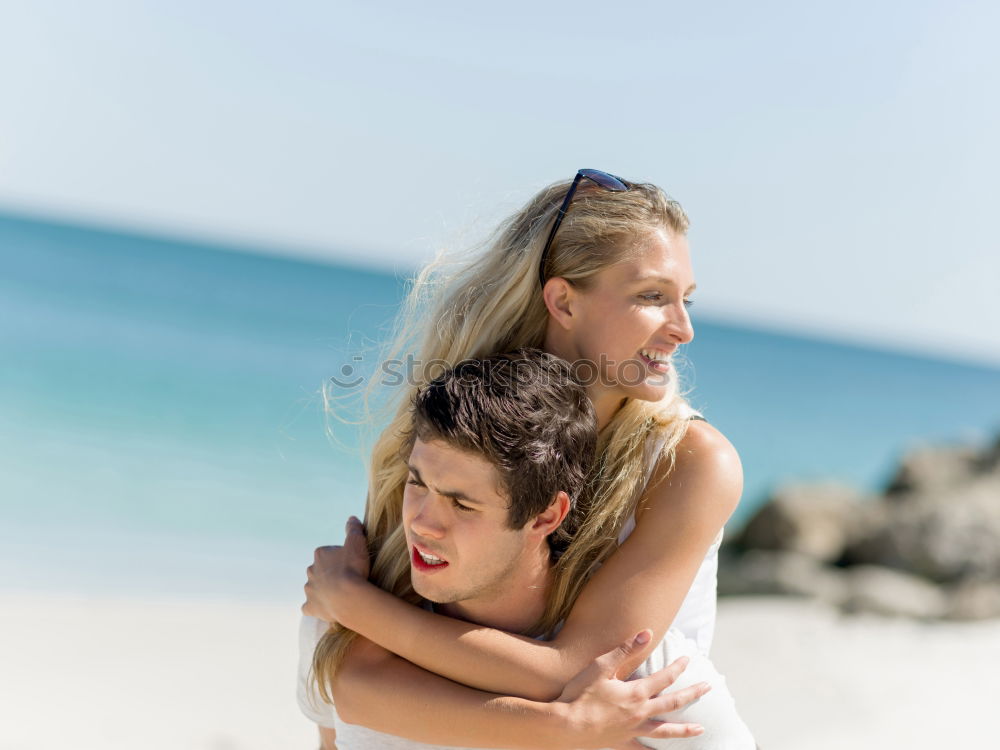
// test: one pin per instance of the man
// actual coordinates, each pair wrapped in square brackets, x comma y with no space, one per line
[500,451]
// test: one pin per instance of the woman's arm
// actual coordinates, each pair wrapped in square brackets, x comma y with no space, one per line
[327,739]
[381,691]
[643,583]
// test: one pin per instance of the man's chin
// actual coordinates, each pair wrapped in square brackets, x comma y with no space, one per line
[429,593]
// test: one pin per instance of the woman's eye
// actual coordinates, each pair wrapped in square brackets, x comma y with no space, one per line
[414,482]
[655,297]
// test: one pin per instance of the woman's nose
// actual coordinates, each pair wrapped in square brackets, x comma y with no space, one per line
[679,325]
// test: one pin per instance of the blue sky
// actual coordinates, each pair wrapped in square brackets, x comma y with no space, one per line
[839,160]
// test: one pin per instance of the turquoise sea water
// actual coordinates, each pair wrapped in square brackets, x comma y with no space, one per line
[161,428]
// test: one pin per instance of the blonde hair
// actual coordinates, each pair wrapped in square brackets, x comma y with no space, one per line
[492,303]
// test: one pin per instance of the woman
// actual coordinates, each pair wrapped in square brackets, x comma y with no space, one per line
[597,272]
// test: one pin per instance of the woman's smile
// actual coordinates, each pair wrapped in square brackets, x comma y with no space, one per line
[656,361]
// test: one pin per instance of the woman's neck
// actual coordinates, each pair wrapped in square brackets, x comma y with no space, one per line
[606,405]
[606,401]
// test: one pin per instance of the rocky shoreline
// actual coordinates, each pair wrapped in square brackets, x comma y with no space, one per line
[928,547]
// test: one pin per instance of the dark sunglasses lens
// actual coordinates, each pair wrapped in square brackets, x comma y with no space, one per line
[605,180]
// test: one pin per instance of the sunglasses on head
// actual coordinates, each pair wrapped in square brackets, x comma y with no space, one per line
[596,176]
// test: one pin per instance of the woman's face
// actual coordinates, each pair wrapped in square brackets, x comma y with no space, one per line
[629,320]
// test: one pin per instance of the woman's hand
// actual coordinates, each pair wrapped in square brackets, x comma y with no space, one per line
[609,712]
[335,570]
[379,690]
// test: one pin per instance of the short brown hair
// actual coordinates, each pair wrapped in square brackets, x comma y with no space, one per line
[525,414]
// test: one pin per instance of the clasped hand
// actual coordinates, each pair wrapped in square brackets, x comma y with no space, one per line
[334,570]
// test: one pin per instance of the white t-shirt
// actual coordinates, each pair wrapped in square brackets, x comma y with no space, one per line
[715,711]
[349,736]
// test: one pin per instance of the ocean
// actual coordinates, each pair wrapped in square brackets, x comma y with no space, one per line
[162,430]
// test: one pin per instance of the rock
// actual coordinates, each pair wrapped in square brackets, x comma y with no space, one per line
[989,461]
[883,591]
[946,536]
[763,572]
[928,549]
[818,521]
[930,470]
[975,600]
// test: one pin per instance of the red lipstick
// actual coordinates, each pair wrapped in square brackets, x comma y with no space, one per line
[424,567]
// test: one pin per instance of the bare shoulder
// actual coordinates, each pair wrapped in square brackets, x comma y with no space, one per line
[705,448]
[707,475]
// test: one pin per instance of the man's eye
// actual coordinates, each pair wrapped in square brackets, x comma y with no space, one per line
[459,506]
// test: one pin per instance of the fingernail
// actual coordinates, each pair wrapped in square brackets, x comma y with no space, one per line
[642,638]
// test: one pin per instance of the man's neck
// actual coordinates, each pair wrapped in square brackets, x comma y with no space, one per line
[521,603]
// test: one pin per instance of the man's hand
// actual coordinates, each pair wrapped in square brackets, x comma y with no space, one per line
[607,712]
[332,573]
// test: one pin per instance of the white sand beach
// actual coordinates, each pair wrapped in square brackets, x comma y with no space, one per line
[807,678]
[110,674]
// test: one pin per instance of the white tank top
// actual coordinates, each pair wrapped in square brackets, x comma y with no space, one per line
[696,617]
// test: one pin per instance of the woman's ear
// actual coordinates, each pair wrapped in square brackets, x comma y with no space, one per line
[559,296]
[552,517]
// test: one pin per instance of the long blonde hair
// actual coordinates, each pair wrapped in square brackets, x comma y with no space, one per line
[492,303]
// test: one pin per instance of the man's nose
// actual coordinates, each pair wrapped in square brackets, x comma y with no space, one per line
[427,522]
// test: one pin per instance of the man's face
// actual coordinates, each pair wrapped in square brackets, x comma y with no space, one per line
[455,520]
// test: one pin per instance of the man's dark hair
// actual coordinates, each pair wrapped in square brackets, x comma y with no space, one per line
[525,414]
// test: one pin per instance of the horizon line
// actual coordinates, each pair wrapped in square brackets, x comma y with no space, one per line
[361,261]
